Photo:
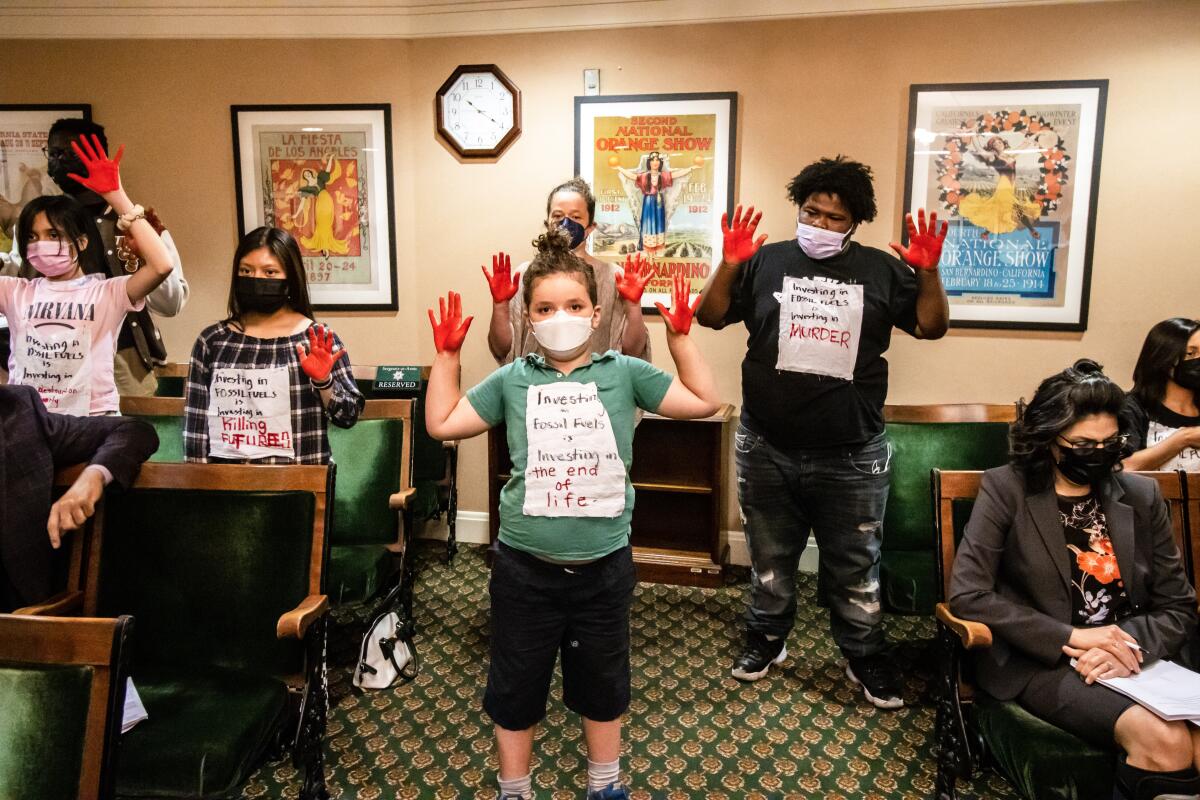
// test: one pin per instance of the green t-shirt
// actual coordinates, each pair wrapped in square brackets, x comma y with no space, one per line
[571,432]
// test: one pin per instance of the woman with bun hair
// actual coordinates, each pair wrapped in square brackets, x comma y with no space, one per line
[563,576]
[1163,408]
[1071,563]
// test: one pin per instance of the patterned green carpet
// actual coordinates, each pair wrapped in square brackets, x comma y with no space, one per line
[691,732]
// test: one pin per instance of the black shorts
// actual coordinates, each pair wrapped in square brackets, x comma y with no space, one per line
[540,609]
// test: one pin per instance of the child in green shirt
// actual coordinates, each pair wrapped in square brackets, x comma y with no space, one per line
[563,577]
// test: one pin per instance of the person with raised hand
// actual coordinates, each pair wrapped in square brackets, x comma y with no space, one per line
[65,322]
[810,448]
[563,569]
[572,207]
[266,381]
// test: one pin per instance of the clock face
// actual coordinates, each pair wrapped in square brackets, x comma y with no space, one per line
[477,111]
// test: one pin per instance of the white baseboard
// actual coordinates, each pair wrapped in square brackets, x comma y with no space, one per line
[473,529]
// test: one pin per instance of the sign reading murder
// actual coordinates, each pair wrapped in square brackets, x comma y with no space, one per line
[819,327]
[250,413]
[573,469]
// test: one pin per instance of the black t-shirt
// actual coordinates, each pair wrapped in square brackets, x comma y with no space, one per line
[1149,426]
[1098,594]
[829,386]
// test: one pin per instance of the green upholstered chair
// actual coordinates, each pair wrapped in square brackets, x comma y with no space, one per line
[973,437]
[435,464]
[1039,759]
[222,566]
[171,379]
[62,690]
[373,493]
[165,415]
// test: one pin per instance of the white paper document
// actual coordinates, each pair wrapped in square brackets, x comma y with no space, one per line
[1169,690]
[135,712]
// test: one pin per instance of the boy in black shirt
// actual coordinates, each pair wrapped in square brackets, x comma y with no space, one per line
[811,451]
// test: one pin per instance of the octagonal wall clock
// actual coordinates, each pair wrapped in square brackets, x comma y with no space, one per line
[478,111]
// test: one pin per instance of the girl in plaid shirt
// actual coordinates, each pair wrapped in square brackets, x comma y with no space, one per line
[263,381]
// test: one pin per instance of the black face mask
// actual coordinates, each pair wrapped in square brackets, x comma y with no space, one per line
[59,168]
[576,231]
[1087,466]
[1187,374]
[264,295]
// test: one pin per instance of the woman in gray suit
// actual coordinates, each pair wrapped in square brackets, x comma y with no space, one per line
[1066,557]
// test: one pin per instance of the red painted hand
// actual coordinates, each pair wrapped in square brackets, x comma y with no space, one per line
[632,281]
[679,318]
[924,249]
[740,244]
[501,280]
[318,361]
[104,174]
[448,334]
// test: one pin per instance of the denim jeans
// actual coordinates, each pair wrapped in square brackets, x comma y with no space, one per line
[837,493]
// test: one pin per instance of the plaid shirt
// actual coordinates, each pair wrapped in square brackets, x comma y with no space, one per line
[221,346]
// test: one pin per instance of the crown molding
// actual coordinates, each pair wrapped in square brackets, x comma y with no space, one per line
[411,19]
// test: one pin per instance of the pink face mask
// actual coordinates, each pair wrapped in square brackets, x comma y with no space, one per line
[50,258]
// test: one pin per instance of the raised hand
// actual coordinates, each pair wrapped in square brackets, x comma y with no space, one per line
[924,249]
[740,244]
[318,362]
[448,334]
[632,281]
[501,280]
[104,174]
[679,318]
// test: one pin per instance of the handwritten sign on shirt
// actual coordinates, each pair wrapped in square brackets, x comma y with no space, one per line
[1188,458]
[820,326]
[57,361]
[573,469]
[250,413]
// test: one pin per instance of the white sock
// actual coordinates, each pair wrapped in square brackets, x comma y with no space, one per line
[601,776]
[517,787]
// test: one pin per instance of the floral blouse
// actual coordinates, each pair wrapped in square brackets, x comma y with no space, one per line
[1098,594]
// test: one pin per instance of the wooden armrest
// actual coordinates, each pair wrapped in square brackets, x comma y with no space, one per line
[450,444]
[294,624]
[400,498]
[974,635]
[61,605]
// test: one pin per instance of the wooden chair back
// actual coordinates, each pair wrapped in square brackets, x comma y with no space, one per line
[99,645]
[947,487]
[951,412]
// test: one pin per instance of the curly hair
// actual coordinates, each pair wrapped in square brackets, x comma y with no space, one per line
[1060,401]
[850,180]
[554,257]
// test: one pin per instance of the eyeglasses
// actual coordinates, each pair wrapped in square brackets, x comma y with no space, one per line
[1112,443]
[55,153]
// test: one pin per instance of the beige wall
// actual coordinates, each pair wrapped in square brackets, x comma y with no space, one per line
[807,88]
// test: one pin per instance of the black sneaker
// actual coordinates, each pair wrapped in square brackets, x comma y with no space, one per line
[758,656]
[878,679]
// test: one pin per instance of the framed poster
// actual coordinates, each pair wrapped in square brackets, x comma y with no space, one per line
[662,169]
[1015,169]
[23,176]
[323,173]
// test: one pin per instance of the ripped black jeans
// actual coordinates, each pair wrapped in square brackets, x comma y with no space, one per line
[837,493]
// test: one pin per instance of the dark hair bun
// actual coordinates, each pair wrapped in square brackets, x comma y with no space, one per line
[1087,366]
[555,241]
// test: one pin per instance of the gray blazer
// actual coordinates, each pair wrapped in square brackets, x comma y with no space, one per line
[1012,572]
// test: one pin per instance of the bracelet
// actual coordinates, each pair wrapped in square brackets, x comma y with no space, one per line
[324,384]
[126,220]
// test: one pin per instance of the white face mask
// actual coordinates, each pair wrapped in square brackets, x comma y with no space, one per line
[819,243]
[563,335]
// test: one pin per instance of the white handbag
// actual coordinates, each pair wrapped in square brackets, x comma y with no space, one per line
[387,656]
